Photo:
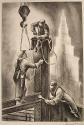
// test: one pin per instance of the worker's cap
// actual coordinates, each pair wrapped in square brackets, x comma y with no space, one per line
[53,83]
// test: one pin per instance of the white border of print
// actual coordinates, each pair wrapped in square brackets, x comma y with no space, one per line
[36,123]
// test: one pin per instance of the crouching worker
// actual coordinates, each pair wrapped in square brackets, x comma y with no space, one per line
[57,94]
[20,74]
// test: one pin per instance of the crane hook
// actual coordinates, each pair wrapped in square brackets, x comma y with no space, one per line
[24,12]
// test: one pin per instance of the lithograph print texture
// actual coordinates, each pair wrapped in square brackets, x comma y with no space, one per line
[42,61]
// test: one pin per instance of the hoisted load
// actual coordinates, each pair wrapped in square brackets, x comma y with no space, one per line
[24,12]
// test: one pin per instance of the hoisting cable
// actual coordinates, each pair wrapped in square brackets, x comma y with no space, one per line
[24,12]
[21,39]
[34,70]
[26,31]
[44,57]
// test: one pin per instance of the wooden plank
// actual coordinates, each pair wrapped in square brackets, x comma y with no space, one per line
[8,103]
[28,98]
[24,115]
[15,117]
[19,117]
[11,119]
[45,82]
[32,97]
[37,112]
[21,107]
[37,80]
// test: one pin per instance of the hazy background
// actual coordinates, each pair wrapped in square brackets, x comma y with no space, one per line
[11,34]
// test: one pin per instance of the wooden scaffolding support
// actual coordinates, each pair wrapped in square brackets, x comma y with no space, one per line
[42,81]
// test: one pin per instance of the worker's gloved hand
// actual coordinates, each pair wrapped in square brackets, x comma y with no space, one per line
[40,97]
[39,63]
[47,101]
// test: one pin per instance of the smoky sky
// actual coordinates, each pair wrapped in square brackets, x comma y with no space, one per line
[11,33]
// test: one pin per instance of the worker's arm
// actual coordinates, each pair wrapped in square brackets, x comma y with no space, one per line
[43,36]
[36,65]
[22,55]
[33,28]
[55,100]
[19,59]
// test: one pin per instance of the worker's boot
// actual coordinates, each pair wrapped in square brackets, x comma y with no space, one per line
[75,113]
[18,101]
[22,82]
[23,96]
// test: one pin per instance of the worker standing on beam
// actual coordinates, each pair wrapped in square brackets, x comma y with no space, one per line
[21,68]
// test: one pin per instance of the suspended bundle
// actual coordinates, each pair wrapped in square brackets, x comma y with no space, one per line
[24,11]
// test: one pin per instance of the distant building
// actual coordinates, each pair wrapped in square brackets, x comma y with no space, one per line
[67,67]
